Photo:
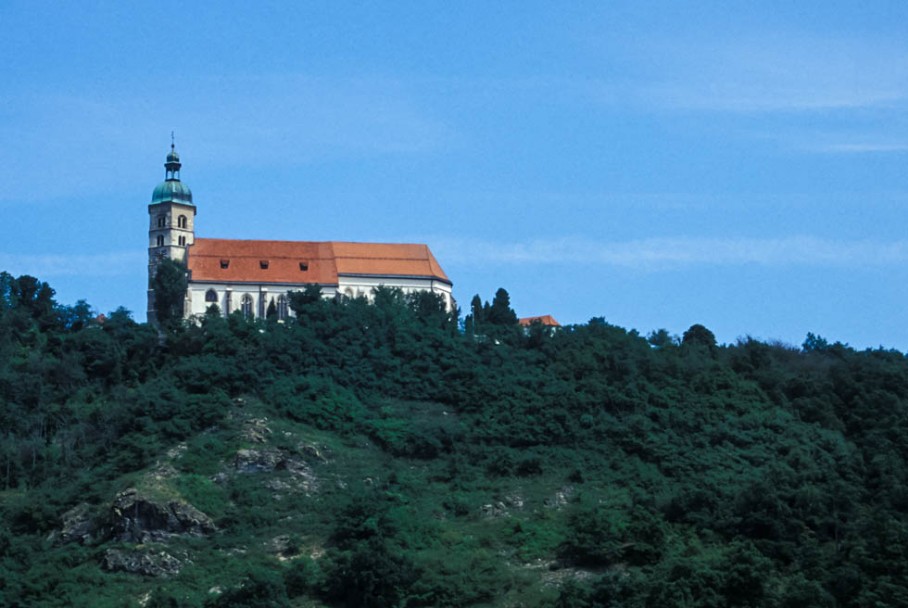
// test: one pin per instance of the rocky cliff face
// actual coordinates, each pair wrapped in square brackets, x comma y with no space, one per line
[133,518]
[140,519]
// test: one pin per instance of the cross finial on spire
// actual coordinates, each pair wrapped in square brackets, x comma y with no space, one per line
[172,146]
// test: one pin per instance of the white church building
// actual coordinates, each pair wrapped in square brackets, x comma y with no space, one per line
[249,276]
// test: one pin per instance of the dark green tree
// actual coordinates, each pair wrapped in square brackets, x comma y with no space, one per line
[698,335]
[474,321]
[500,312]
[169,285]
[261,589]
[35,298]
[814,344]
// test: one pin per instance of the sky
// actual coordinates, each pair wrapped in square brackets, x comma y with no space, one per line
[736,164]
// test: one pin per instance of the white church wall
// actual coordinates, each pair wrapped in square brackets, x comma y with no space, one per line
[230,297]
[357,286]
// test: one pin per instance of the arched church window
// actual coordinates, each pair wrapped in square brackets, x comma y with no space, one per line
[182,241]
[211,296]
[181,221]
[162,220]
[283,308]
[160,240]
[246,306]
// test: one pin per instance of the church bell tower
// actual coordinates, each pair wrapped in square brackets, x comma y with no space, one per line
[171,227]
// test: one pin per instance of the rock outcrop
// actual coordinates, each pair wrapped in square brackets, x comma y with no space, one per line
[301,477]
[139,519]
[149,562]
[79,526]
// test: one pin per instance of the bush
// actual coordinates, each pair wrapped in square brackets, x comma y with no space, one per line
[260,589]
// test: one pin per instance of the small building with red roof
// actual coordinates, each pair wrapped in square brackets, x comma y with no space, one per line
[544,320]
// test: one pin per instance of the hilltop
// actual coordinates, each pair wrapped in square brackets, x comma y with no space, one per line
[375,454]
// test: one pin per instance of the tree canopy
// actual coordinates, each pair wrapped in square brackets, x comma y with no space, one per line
[372,454]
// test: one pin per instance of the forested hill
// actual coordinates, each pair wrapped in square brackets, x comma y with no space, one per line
[377,455]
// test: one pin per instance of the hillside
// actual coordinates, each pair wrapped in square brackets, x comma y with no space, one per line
[376,455]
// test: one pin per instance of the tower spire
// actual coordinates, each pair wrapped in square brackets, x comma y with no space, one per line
[173,162]
[172,189]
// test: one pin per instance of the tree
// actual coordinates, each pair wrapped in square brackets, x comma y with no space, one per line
[660,338]
[260,589]
[476,318]
[169,285]
[814,344]
[36,298]
[698,334]
[500,312]
[300,301]
[77,316]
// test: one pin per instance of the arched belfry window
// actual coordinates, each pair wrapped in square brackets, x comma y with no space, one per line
[160,240]
[181,221]
[162,220]
[182,241]
[211,296]
[246,305]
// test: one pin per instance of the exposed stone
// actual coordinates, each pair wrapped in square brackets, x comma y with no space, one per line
[139,519]
[554,576]
[560,499]
[177,451]
[494,510]
[78,525]
[255,430]
[257,461]
[267,460]
[279,485]
[281,545]
[163,472]
[312,451]
[147,562]
[514,500]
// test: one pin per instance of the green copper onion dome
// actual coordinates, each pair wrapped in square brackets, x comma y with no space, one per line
[172,189]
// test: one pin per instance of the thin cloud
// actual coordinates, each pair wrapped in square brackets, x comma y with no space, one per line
[781,71]
[859,148]
[243,120]
[111,264]
[671,253]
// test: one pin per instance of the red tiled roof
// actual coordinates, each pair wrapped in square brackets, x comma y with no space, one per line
[237,261]
[547,320]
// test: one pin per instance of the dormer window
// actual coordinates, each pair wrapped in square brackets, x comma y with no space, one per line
[225,264]
[304,266]
[263,264]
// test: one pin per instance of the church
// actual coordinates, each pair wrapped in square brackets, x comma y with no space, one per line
[252,276]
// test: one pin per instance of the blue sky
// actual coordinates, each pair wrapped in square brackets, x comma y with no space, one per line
[736,164]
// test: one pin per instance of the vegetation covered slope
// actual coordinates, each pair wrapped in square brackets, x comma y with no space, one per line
[375,455]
